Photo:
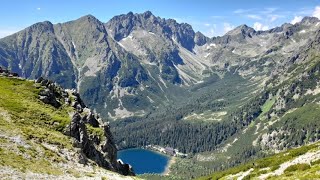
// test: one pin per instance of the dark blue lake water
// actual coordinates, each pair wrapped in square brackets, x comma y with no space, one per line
[144,161]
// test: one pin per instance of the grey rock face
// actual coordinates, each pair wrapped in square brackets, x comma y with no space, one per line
[101,150]
[309,20]
[50,95]
[91,119]
[104,153]
[121,26]
[36,52]
[200,39]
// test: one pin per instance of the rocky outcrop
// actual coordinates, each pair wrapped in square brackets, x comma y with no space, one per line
[91,136]
[91,145]
[7,73]
[51,94]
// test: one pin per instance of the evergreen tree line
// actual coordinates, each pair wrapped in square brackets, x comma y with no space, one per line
[168,128]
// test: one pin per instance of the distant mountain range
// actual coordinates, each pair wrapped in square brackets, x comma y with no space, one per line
[138,62]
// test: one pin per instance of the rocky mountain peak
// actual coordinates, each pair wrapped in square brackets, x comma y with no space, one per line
[121,26]
[41,27]
[130,13]
[200,39]
[281,28]
[89,20]
[147,14]
[309,20]
[242,29]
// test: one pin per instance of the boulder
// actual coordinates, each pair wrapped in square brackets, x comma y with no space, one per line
[48,96]
[45,82]
[91,119]
[39,80]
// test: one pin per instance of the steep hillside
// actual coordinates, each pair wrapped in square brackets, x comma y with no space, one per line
[299,163]
[284,115]
[46,132]
[221,108]
[285,121]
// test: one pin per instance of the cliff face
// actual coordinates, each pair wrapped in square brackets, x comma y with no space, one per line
[48,132]
[90,135]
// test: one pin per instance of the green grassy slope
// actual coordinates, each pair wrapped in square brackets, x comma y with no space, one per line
[31,140]
[289,161]
[32,122]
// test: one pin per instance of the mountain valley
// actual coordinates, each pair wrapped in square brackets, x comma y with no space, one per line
[224,101]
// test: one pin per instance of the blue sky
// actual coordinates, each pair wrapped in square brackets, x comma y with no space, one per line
[212,18]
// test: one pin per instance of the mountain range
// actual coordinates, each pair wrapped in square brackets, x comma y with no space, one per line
[135,63]
[223,99]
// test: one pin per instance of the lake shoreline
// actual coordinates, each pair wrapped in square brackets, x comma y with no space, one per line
[166,172]
[155,151]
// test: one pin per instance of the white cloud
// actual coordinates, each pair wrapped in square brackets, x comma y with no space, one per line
[263,14]
[217,17]
[227,27]
[296,19]
[4,33]
[38,9]
[316,12]
[274,17]
[258,26]
[211,31]
[207,24]
[254,16]
[240,11]
[179,20]
[306,12]
[268,10]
